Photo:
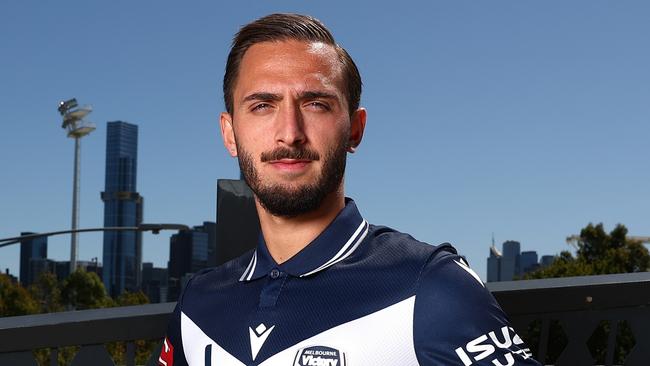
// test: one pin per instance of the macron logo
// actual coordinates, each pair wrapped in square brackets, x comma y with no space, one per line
[258,337]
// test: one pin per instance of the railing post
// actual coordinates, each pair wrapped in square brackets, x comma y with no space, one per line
[54,356]
[130,353]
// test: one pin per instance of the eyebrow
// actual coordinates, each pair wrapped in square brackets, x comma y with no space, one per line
[315,94]
[263,96]
[310,94]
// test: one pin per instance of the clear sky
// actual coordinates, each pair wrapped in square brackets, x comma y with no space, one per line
[526,119]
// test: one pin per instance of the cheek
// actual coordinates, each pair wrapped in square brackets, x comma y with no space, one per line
[330,133]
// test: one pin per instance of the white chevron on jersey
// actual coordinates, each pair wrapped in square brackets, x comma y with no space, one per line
[384,337]
[363,340]
[195,342]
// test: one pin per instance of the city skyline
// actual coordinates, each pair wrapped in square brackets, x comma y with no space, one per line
[526,120]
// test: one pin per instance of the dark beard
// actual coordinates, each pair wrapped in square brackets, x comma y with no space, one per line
[285,201]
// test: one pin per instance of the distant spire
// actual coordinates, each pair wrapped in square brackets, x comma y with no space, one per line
[493,238]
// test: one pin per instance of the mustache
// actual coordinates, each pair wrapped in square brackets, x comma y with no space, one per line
[285,153]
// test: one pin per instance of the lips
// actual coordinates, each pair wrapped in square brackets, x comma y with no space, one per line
[291,165]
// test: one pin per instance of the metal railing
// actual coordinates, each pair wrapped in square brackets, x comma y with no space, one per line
[90,329]
[593,315]
[579,313]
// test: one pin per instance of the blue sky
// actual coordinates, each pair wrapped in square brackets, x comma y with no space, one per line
[526,119]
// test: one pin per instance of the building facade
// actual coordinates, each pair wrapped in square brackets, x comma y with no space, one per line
[510,266]
[529,261]
[154,282]
[189,252]
[33,254]
[494,265]
[123,207]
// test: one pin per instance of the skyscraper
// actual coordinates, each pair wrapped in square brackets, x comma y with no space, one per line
[546,260]
[123,206]
[154,282]
[33,254]
[510,265]
[238,227]
[528,261]
[189,252]
[494,265]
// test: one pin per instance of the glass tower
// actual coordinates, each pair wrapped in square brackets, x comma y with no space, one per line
[510,262]
[122,207]
[33,253]
[189,252]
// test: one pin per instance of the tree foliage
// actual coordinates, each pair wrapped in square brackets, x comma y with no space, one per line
[599,252]
[14,299]
[81,290]
[84,290]
[132,298]
[46,290]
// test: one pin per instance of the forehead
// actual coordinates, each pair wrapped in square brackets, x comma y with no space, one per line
[294,64]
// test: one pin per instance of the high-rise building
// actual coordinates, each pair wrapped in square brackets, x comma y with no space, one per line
[494,265]
[238,227]
[528,261]
[61,269]
[510,262]
[154,283]
[123,207]
[188,254]
[33,253]
[546,260]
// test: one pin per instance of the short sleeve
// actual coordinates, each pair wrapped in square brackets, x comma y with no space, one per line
[172,353]
[457,321]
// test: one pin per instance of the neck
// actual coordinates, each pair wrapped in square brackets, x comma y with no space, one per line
[285,237]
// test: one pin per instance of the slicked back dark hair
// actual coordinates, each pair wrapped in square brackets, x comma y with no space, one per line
[281,27]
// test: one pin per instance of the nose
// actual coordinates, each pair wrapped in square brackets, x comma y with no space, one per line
[290,126]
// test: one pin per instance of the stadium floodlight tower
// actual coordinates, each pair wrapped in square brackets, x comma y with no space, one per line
[77,127]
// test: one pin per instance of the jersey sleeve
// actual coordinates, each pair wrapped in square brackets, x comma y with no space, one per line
[172,353]
[457,321]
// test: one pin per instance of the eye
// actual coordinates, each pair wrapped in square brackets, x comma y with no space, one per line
[318,105]
[260,107]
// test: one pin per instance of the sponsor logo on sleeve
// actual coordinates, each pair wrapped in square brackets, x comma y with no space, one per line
[500,349]
[166,354]
[319,356]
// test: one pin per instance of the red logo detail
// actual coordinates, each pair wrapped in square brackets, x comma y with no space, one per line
[166,354]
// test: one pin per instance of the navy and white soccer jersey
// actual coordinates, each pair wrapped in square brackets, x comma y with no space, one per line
[357,295]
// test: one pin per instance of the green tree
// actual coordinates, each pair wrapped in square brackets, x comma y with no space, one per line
[84,290]
[14,299]
[132,298]
[598,253]
[47,292]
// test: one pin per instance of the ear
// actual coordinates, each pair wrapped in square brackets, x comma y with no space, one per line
[228,134]
[357,126]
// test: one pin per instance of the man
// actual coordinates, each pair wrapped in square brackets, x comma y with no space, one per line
[323,286]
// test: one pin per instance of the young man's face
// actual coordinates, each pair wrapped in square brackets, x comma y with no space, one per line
[290,127]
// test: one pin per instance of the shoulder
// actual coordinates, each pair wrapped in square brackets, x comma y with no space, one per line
[453,295]
[457,319]
[213,280]
[398,246]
